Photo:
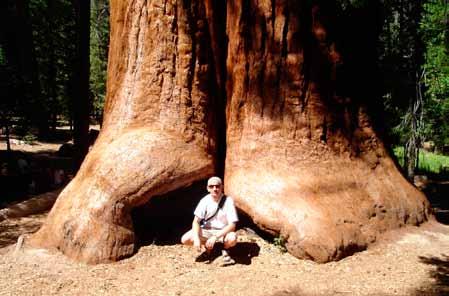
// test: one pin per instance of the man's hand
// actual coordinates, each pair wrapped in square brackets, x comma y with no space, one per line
[211,242]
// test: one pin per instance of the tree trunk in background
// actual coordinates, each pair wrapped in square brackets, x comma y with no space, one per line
[51,74]
[302,157]
[410,17]
[158,132]
[80,82]
[6,124]
[20,50]
[6,46]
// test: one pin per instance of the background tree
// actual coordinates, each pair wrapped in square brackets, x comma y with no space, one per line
[9,92]
[435,30]
[49,58]
[18,50]
[80,81]
[99,41]
[401,57]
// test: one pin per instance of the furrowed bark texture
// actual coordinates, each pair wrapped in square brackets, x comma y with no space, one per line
[158,132]
[303,161]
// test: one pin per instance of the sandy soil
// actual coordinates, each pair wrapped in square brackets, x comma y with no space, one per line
[415,262]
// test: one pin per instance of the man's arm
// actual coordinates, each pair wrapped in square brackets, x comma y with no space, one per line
[228,228]
[196,233]
[213,239]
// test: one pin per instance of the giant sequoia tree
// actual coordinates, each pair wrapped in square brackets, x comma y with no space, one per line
[302,157]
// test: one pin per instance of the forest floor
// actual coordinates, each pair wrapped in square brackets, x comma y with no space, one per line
[408,261]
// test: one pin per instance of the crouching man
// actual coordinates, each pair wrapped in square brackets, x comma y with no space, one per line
[214,221]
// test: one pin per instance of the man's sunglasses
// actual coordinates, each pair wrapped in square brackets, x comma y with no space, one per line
[214,186]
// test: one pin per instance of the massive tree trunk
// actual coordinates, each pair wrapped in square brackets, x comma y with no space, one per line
[302,160]
[158,132]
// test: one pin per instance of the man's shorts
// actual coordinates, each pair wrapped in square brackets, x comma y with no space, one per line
[208,233]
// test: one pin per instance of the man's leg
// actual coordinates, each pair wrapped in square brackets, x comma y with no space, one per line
[187,238]
[230,240]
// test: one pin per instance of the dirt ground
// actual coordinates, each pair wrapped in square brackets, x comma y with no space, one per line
[415,262]
[410,261]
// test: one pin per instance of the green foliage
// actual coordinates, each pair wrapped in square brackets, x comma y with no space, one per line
[346,4]
[51,48]
[2,56]
[99,41]
[280,242]
[414,62]
[400,57]
[400,61]
[29,138]
[54,33]
[435,30]
[428,162]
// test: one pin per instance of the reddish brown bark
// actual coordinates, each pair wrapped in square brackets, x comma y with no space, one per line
[303,161]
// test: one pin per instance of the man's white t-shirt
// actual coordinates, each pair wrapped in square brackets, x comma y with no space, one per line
[207,207]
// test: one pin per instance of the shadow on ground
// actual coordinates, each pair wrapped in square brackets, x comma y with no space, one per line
[10,230]
[242,253]
[437,193]
[38,204]
[27,174]
[164,219]
[296,291]
[440,275]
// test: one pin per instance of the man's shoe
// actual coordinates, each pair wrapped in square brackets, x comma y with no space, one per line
[226,260]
